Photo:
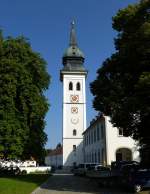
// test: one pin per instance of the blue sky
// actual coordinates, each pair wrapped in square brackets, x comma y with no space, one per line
[46,23]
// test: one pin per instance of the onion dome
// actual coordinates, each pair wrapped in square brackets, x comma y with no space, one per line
[73,57]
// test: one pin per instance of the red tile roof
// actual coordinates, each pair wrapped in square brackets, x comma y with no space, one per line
[57,151]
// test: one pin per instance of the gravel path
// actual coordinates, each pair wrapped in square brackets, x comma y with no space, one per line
[69,184]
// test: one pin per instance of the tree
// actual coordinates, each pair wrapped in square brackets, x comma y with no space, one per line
[58,145]
[122,87]
[23,79]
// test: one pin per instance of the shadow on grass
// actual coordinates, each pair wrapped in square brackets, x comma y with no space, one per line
[31,178]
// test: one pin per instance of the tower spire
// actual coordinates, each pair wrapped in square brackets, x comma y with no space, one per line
[73,41]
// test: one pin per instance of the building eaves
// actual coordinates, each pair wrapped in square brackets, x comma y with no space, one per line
[94,122]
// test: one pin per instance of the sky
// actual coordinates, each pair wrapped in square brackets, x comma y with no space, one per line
[46,23]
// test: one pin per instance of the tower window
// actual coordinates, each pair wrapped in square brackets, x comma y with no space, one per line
[102,130]
[120,132]
[70,86]
[78,87]
[74,148]
[74,132]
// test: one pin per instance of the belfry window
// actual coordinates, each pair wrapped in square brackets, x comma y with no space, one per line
[74,132]
[70,86]
[74,148]
[78,87]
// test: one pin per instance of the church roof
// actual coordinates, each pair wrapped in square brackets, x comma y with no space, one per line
[73,49]
[57,151]
[73,57]
[73,52]
[97,119]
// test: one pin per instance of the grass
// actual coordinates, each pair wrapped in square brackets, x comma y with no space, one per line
[23,184]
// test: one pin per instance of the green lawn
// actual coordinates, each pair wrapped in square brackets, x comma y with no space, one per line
[23,184]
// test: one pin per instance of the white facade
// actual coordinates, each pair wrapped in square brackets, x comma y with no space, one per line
[73,77]
[54,160]
[104,143]
[74,117]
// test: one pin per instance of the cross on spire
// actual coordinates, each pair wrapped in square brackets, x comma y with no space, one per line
[73,41]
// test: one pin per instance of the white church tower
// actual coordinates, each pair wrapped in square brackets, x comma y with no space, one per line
[73,77]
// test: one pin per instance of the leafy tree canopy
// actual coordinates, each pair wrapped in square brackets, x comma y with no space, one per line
[122,87]
[23,79]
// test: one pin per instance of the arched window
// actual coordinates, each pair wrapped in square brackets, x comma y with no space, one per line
[78,87]
[74,132]
[70,86]
[74,148]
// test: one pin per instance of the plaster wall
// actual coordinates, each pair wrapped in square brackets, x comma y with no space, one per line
[115,142]
[55,160]
[69,155]
[108,141]
[73,120]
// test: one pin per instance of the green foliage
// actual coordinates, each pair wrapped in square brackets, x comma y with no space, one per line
[23,79]
[22,184]
[122,86]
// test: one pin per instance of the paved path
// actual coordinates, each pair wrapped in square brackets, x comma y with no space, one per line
[69,184]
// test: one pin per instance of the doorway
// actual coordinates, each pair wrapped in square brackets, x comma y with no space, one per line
[123,154]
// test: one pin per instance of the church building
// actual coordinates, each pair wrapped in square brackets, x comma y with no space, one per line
[104,143]
[73,75]
[100,142]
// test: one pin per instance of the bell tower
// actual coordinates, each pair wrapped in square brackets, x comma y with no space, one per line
[73,75]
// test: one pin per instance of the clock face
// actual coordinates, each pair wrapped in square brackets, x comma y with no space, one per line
[74,98]
[74,110]
[74,120]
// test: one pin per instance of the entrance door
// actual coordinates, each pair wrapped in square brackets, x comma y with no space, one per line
[118,156]
[123,154]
